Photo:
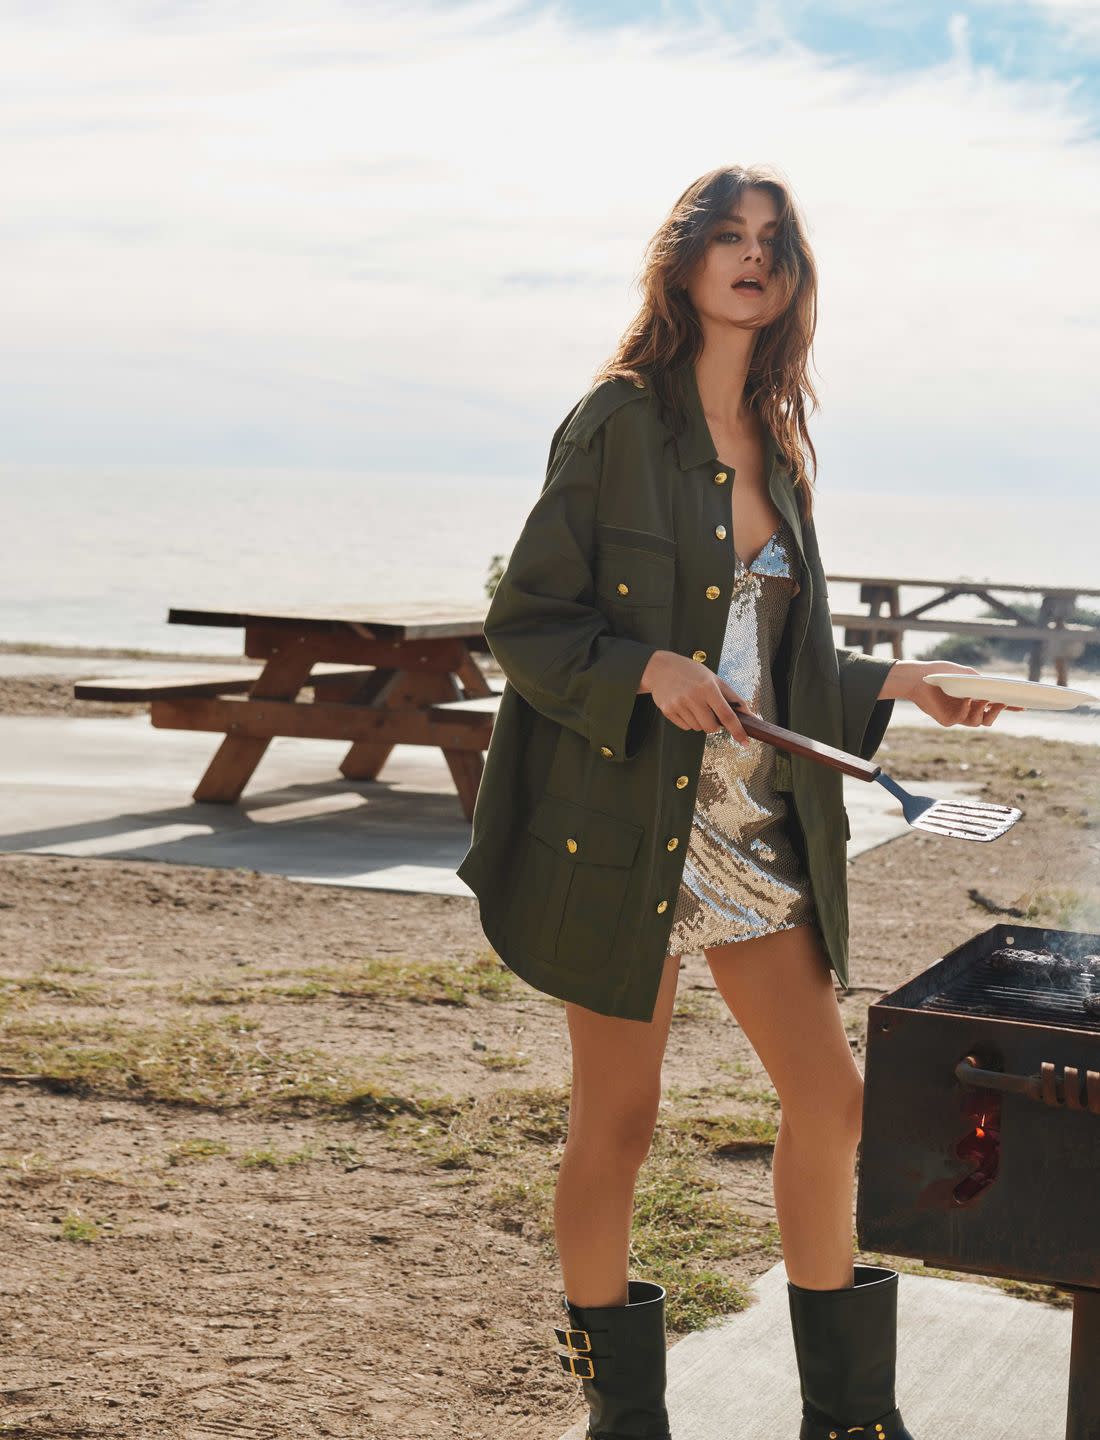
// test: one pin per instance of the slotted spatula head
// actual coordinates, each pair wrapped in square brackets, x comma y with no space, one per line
[961,819]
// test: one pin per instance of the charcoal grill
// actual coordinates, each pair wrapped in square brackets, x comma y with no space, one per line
[980,1149]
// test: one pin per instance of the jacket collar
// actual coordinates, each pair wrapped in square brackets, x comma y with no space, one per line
[695,447]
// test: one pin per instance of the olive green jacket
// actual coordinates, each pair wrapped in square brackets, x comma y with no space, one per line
[583,816]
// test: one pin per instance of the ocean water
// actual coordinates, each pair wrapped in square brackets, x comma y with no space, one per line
[97,557]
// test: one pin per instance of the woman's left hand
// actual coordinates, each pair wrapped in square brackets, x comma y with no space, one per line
[947,709]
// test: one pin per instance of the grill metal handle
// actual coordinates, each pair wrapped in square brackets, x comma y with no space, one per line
[1062,1092]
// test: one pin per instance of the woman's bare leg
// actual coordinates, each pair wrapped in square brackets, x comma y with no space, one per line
[779,990]
[612,1114]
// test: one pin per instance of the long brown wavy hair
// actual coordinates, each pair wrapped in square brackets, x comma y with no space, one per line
[666,329]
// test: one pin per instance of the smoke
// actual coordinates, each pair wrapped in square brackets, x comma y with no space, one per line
[1063,890]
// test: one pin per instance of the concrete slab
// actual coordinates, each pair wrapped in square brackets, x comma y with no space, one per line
[113,786]
[116,787]
[972,1361]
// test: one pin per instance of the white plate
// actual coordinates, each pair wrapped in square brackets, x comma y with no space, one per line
[1009,690]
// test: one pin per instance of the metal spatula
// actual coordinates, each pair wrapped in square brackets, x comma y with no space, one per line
[961,819]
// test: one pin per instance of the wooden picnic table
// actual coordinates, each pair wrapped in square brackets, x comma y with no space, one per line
[381,676]
[1053,637]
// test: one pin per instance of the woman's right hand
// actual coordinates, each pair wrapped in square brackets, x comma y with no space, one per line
[691,696]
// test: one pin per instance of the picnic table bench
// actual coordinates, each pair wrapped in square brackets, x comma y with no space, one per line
[1053,636]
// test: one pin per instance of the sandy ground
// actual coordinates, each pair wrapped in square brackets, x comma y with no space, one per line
[278,1160]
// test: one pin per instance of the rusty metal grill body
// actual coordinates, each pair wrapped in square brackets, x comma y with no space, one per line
[980,1149]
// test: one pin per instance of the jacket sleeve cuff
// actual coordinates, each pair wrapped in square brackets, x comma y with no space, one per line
[865,715]
[619,719]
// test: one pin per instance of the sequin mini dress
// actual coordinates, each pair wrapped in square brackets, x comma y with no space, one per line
[742,876]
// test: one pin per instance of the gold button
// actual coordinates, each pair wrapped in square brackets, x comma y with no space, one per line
[622,589]
[662,907]
[713,592]
[721,478]
[720,531]
[606,750]
[671,843]
[681,781]
[571,845]
[698,654]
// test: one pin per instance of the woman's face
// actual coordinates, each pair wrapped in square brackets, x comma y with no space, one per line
[737,246]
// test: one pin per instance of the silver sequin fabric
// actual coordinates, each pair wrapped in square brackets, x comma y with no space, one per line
[742,876]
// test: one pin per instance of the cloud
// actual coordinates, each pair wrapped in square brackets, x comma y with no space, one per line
[364,234]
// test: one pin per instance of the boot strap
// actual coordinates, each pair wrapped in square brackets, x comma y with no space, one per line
[875,1430]
[580,1359]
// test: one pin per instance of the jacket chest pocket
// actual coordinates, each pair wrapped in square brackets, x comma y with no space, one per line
[573,881]
[634,589]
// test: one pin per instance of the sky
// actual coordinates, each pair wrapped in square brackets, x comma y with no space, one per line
[402,238]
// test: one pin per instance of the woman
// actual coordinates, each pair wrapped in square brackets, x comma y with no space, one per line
[667,576]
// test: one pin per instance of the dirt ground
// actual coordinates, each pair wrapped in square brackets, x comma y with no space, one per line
[278,1160]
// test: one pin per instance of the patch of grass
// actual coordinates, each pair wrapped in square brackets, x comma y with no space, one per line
[31,1167]
[503,1059]
[208,1064]
[440,981]
[728,1134]
[75,1227]
[1063,908]
[734,1067]
[690,1005]
[213,994]
[728,1090]
[498,1127]
[35,1170]
[199,1148]
[524,1203]
[33,986]
[267,1157]
[682,1228]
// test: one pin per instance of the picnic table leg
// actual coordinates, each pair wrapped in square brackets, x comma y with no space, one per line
[404,690]
[236,758]
[1035,659]
[468,766]
[895,611]
[365,759]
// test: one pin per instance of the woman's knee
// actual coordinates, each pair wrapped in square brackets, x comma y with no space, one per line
[619,1134]
[827,1115]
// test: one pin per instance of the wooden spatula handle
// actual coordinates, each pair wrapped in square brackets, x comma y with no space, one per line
[802,745]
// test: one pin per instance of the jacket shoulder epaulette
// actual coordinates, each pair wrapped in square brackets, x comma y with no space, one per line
[593,409]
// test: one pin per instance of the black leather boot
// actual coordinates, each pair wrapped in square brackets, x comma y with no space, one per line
[618,1354]
[846,1344]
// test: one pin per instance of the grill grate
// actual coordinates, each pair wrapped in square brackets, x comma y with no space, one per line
[1020,984]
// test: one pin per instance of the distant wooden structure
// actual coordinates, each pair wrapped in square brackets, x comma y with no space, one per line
[1055,639]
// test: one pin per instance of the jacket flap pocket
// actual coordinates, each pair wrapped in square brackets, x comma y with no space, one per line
[628,576]
[598,839]
[635,539]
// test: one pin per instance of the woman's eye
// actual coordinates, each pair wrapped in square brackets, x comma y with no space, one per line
[734,234]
